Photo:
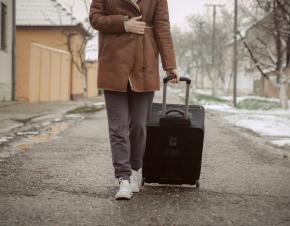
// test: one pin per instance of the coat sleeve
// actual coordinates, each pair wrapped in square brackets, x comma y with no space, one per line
[163,35]
[111,24]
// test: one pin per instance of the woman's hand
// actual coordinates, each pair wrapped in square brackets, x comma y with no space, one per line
[135,26]
[173,73]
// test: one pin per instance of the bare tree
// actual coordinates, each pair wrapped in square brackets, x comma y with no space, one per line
[79,52]
[270,49]
[194,49]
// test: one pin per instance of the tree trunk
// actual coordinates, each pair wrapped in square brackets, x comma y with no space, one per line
[288,51]
[214,88]
[196,78]
[284,90]
[282,78]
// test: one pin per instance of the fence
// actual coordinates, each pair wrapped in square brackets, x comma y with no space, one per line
[49,74]
[263,87]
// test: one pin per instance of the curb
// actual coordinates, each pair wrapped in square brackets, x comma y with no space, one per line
[17,123]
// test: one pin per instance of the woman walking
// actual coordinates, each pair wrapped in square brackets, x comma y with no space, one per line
[132,34]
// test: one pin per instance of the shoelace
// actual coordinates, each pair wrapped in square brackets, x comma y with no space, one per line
[120,180]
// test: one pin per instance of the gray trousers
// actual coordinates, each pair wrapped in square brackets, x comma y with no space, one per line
[127,116]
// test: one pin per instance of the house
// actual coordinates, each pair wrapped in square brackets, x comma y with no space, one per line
[7,37]
[49,45]
[262,43]
[250,81]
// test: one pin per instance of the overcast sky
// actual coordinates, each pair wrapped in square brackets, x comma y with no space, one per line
[180,9]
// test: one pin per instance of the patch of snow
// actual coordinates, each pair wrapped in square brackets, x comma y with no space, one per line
[242,98]
[3,140]
[100,105]
[272,124]
[230,109]
[27,133]
[281,143]
[8,137]
[219,107]
[264,125]
[74,116]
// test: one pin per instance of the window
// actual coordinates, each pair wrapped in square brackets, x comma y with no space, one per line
[3,44]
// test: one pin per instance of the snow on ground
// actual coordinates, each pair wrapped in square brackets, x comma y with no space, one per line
[271,124]
[239,99]
[274,124]
[281,143]
[264,125]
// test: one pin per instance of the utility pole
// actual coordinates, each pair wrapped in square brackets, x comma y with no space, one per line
[214,75]
[200,69]
[235,58]
[14,52]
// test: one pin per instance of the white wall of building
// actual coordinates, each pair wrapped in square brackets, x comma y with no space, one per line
[6,56]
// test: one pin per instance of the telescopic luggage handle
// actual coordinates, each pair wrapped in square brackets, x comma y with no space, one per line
[182,79]
[165,82]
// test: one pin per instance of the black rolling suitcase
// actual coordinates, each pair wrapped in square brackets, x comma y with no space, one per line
[175,135]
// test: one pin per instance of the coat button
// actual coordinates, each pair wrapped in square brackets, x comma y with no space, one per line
[144,67]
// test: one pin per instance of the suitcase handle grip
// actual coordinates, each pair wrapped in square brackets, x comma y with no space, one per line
[182,79]
[174,110]
[165,81]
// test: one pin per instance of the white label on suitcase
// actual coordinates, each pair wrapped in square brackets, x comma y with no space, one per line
[172,141]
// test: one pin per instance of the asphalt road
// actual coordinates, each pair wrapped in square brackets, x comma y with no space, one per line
[69,181]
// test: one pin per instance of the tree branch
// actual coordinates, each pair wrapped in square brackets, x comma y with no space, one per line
[254,59]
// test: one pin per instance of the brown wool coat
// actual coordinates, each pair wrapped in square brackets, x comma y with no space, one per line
[127,57]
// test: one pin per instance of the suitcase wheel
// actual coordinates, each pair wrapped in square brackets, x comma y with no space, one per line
[197,184]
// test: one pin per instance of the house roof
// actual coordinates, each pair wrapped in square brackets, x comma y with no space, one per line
[43,13]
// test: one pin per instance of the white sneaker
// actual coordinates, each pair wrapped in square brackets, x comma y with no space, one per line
[125,191]
[136,178]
